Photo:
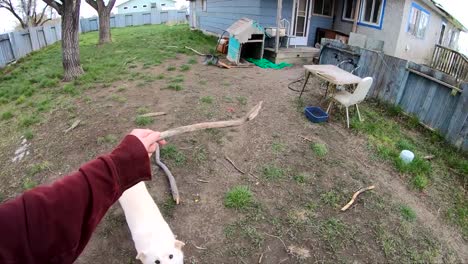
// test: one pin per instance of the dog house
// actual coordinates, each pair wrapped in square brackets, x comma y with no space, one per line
[246,40]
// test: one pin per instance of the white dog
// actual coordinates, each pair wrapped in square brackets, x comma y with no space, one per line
[154,241]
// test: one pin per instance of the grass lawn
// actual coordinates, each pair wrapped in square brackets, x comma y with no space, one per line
[285,206]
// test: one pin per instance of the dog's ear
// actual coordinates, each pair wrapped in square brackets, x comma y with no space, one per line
[179,244]
[141,256]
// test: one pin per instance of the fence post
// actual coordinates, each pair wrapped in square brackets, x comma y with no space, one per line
[458,120]
[401,89]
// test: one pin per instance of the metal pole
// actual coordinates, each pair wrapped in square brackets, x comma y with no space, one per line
[278,21]
[356,15]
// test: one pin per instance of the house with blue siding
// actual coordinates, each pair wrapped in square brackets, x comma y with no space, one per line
[408,29]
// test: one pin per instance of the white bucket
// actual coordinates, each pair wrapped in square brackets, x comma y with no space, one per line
[407,156]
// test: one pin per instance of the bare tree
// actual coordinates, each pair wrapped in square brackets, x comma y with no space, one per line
[70,12]
[104,18]
[26,12]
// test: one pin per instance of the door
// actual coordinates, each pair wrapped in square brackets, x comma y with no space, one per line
[128,20]
[147,19]
[301,22]
[193,14]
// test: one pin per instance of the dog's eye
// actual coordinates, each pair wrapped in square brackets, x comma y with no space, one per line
[157,262]
[171,256]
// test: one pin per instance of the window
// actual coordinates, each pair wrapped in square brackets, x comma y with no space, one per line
[153,5]
[134,6]
[163,4]
[144,5]
[453,39]
[442,33]
[203,4]
[418,21]
[125,7]
[323,7]
[372,12]
[349,9]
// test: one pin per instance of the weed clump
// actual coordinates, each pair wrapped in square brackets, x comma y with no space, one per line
[238,197]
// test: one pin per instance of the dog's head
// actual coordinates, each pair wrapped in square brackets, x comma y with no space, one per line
[158,254]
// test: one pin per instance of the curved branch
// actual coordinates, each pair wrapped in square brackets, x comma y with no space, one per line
[237,122]
[172,181]
[55,5]
[93,4]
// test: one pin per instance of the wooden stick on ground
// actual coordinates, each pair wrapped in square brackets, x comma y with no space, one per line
[355,195]
[219,124]
[197,52]
[172,181]
[234,165]
[153,114]
[184,129]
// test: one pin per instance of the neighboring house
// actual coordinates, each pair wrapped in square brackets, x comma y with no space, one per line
[407,29]
[133,6]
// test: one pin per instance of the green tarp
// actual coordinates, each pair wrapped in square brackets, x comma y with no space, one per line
[266,64]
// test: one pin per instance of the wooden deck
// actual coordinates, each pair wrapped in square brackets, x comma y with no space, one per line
[298,55]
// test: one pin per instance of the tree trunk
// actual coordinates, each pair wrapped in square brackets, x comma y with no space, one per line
[104,26]
[70,40]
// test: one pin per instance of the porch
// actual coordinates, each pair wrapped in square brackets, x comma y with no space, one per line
[297,55]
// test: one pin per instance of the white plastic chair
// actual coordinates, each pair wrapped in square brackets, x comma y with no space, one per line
[349,99]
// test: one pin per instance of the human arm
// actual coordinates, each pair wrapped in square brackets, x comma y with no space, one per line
[53,224]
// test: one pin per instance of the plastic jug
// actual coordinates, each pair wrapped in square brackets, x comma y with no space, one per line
[407,156]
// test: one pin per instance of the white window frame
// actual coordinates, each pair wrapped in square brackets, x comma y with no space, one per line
[318,14]
[420,13]
[353,10]
[380,18]
[203,5]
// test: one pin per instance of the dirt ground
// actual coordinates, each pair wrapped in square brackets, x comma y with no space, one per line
[291,221]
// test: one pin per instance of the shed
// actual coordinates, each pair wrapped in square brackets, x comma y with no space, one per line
[246,40]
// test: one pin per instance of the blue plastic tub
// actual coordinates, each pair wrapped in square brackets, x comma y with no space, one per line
[316,114]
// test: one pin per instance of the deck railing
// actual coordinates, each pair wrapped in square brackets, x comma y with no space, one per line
[451,62]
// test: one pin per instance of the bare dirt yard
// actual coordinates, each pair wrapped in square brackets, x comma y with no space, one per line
[284,208]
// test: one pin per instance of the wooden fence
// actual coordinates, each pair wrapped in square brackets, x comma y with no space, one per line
[18,44]
[450,62]
[439,100]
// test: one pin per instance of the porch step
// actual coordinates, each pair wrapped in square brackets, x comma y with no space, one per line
[299,55]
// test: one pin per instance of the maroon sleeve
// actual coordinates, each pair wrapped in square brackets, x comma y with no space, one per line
[53,224]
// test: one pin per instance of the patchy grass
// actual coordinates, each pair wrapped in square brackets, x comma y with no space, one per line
[300,178]
[28,134]
[331,198]
[184,68]
[207,99]
[242,100]
[171,68]
[238,197]
[175,87]
[407,213]
[142,110]
[192,61]
[389,132]
[171,152]
[319,149]
[7,115]
[278,147]
[143,120]
[38,168]
[40,73]
[118,98]
[272,173]
[107,139]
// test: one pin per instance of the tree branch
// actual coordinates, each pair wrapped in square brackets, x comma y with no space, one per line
[39,21]
[93,4]
[55,5]
[8,5]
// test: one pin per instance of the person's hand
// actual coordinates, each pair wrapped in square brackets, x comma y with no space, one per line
[149,138]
